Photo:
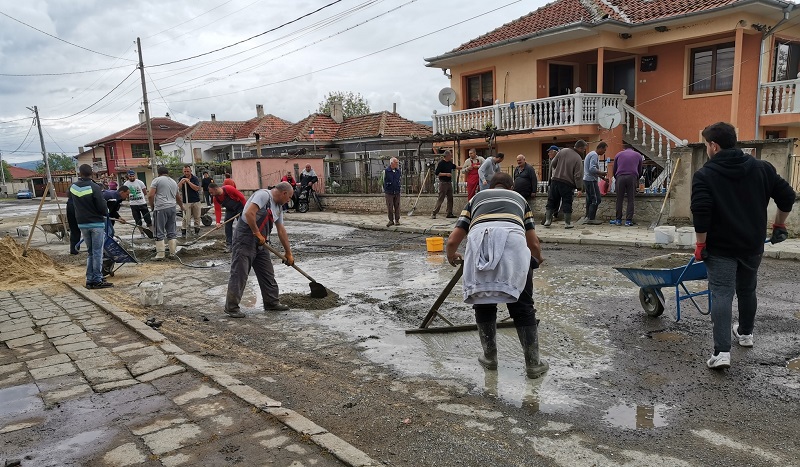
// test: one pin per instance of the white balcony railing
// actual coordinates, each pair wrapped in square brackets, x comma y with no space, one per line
[648,135]
[780,97]
[549,112]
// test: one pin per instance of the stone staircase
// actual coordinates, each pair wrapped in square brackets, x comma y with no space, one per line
[650,139]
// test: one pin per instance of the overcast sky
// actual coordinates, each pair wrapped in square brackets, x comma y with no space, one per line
[291,69]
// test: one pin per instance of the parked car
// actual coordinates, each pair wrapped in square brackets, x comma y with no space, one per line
[24,194]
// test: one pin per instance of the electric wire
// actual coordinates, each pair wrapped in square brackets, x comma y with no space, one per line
[97,101]
[190,19]
[17,75]
[252,37]
[54,141]
[354,59]
[33,122]
[62,40]
[205,25]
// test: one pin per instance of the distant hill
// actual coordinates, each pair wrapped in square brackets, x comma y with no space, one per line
[30,165]
[425,122]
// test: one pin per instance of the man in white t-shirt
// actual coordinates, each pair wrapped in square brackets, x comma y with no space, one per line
[263,210]
[138,200]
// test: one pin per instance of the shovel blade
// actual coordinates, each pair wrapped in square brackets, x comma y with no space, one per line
[318,290]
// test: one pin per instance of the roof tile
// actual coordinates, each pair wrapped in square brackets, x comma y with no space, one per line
[162,128]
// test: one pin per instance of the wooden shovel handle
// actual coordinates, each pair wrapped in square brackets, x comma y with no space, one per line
[283,258]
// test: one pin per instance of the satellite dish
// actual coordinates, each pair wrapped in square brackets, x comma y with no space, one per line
[609,117]
[447,96]
[180,142]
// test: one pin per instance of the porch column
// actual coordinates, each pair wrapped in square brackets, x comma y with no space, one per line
[737,76]
[600,57]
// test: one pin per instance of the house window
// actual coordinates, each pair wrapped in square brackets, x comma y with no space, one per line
[787,61]
[142,151]
[480,90]
[711,69]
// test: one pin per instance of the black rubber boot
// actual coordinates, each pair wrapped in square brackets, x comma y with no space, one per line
[488,334]
[548,217]
[183,233]
[529,338]
[568,220]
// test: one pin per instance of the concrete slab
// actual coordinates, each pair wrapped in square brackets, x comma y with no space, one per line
[61,329]
[160,373]
[112,385]
[157,425]
[47,361]
[76,346]
[54,397]
[170,439]
[25,341]
[200,392]
[53,370]
[105,375]
[124,455]
[16,333]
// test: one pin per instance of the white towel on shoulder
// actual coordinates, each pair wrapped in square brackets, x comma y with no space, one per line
[496,263]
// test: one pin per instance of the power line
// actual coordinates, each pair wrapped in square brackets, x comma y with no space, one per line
[205,25]
[19,75]
[357,58]
[158,91]
[15,120]
[26,136]
[190,19]
[54,141]
[251,38]
[98,100]
[60,39]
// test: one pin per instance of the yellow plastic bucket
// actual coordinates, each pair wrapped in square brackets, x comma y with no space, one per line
[435,244]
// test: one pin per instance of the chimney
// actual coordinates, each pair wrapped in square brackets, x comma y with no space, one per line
[259,110]
[394,107]
[337,111]
[213,117]
[80,149]
[141,116]
[167,115]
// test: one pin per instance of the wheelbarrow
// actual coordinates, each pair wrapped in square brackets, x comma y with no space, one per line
[653,274]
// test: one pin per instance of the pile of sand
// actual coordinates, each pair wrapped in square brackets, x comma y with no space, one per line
[18,270]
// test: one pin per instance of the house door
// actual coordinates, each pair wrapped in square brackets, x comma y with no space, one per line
[620,75]
[562,79]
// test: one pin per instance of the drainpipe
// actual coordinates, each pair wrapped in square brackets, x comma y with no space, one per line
[764,38]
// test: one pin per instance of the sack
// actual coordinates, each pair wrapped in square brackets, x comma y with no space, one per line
[603,184]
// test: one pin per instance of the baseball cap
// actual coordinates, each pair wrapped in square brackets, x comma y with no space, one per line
[131,172]
[554,148]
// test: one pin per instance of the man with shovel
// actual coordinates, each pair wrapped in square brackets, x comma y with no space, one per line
[233,201]
[261,212]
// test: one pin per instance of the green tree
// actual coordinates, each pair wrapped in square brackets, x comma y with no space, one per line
[353,104]
[58,162]
[6,172]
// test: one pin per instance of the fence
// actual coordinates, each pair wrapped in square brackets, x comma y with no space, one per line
[364,175]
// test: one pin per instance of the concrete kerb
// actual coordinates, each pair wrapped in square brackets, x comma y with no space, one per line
[339,448]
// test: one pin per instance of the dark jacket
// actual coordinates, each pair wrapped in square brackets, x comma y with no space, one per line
[391,181]
[730,194]
[525,181]
[113,202]
[90,207]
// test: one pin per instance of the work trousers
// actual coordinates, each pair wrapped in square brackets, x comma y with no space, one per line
[165,223]
[139,212]
[191,210]
[562,194]
[94,238]
[626,189]
[207,197]
[727,276]
[592,198]
[393,206]
[472,187]
[445,190]
[246,254]
[229,225]
[522,311]
[74,230]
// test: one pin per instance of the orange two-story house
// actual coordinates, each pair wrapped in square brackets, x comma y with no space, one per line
[652,73]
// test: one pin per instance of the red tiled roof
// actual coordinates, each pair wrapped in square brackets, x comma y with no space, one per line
[324,126]
[162,128]
[231,130]
[381,124]
[18,173]
[566,12]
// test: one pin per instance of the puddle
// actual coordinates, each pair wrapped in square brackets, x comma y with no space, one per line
[18,400]
[636,417]
[666,336]
[794,364]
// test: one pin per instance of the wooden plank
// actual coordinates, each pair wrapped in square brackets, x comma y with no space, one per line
[459,328]
[442,296]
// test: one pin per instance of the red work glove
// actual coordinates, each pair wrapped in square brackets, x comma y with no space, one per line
[779,233]
[260,239]
[700,251]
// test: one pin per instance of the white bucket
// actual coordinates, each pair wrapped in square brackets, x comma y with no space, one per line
[152,293]
[53,218]
[665,234]
[23,231]
[685,236]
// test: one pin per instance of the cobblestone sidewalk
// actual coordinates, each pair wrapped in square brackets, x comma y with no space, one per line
[80,387]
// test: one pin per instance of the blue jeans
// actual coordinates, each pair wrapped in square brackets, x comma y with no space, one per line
[727,276]
[94,239]
[592,198]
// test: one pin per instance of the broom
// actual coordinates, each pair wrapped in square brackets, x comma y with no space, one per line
[425,179]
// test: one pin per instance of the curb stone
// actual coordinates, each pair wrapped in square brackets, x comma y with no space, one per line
[339,448]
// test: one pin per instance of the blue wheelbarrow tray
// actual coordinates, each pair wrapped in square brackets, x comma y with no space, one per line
[672,270]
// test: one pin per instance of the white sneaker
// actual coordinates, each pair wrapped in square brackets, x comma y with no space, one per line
[745,340]
[719,361]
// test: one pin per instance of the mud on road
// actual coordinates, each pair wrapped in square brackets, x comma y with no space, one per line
[623,388]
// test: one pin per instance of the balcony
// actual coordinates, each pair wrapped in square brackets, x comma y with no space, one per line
[537,114]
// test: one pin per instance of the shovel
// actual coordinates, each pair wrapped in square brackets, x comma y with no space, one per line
[212,230]
[144,230]
[317,290]
[425,179]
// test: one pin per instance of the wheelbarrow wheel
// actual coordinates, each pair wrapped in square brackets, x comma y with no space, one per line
[652,301]
[206,219]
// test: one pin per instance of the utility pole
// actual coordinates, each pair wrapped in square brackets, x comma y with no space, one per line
[44,155]
[2,170]
[147,111]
